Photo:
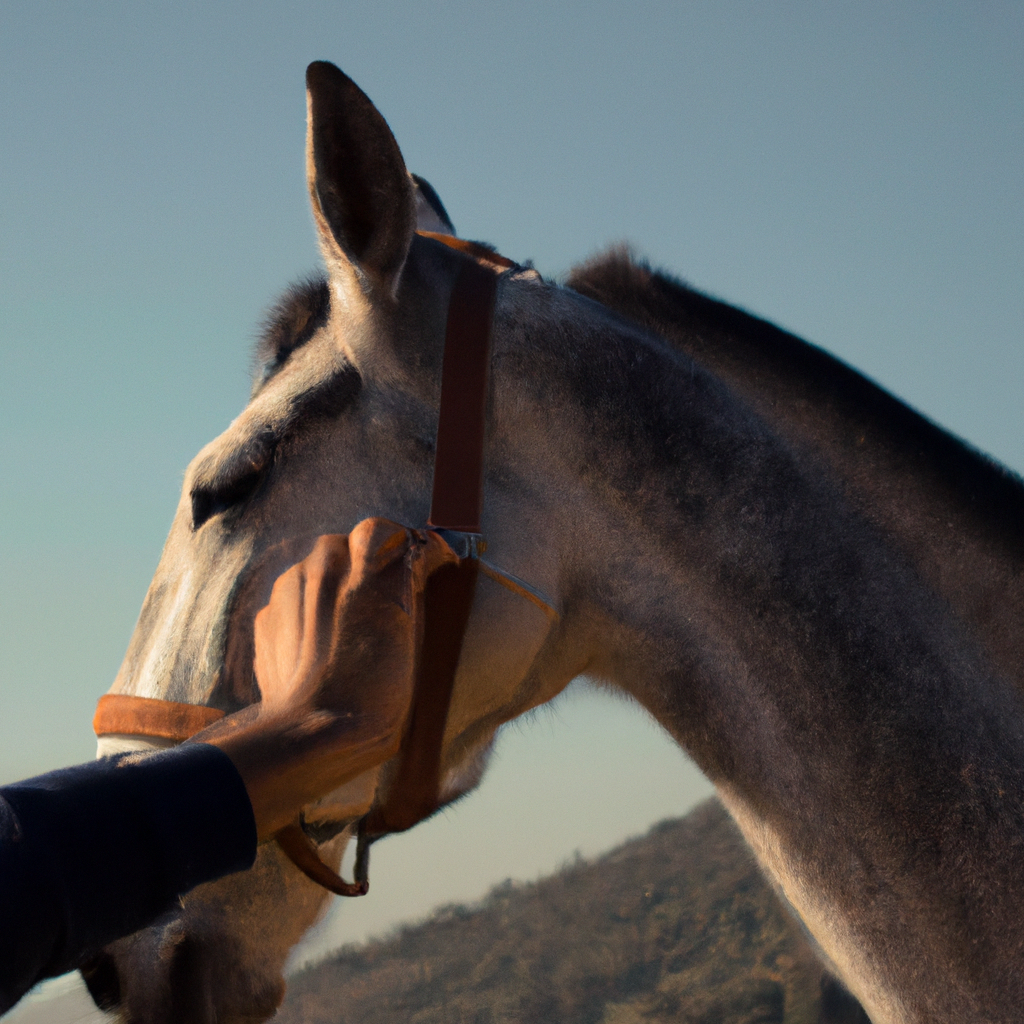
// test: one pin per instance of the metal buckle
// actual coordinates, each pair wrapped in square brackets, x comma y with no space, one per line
[465,545]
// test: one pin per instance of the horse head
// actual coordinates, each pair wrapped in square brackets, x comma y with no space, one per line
[341,425]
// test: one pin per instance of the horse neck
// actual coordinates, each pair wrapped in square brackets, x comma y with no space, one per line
[691,525]
[837,702]
[953,512]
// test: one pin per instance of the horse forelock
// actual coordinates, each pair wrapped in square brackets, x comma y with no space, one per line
[289,324]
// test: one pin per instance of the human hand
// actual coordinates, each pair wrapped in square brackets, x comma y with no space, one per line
[335,652]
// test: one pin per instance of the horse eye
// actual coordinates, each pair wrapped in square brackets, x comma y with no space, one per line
[209,500]
[222,484]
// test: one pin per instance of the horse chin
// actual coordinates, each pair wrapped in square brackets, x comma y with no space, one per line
[220,956]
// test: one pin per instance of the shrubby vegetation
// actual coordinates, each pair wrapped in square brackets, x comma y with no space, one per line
[677,926]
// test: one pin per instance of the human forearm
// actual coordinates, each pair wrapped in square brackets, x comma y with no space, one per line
[287,765]
[92,853]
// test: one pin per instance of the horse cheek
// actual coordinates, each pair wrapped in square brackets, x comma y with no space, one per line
[504,637]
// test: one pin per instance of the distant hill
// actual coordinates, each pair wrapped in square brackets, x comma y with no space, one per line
[677,926]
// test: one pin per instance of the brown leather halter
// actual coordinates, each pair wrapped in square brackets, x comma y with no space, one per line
[455,513]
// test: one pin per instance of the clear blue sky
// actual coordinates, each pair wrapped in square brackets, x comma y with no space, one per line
[854,172]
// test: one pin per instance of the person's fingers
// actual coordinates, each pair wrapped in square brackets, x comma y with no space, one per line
[334,657]
[283,621]
[394,562]
[293,632]
[340,624]
[434,553]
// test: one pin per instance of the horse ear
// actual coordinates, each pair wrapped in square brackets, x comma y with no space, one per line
[430,212]
[362,196]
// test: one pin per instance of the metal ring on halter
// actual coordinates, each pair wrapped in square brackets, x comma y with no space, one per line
[462,542]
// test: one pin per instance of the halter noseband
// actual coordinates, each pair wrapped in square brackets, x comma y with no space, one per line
[455,513]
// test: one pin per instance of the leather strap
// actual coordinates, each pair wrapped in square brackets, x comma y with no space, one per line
[457,498]
[126,714]
[303,854]
[519,588]
[456,505]
[481,253]
[414,792]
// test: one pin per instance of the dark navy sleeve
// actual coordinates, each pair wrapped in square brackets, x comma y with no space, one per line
[92,853]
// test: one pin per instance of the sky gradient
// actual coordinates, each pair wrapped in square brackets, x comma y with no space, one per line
[852,172]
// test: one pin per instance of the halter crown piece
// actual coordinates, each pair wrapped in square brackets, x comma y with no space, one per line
[455,513]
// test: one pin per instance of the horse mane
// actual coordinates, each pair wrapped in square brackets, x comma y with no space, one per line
[689,320]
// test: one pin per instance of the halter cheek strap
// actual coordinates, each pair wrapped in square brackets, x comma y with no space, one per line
[455,513]
[456,507]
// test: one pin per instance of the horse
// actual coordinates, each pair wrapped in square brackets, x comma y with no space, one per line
[811,588]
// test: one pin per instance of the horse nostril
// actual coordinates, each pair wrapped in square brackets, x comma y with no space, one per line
[101,979]
[189,980]
[209,500]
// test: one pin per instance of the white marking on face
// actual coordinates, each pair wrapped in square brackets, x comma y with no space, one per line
[124,743]
[155,668]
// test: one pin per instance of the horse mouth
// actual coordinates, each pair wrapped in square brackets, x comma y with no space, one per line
[189,996]
[219,956]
